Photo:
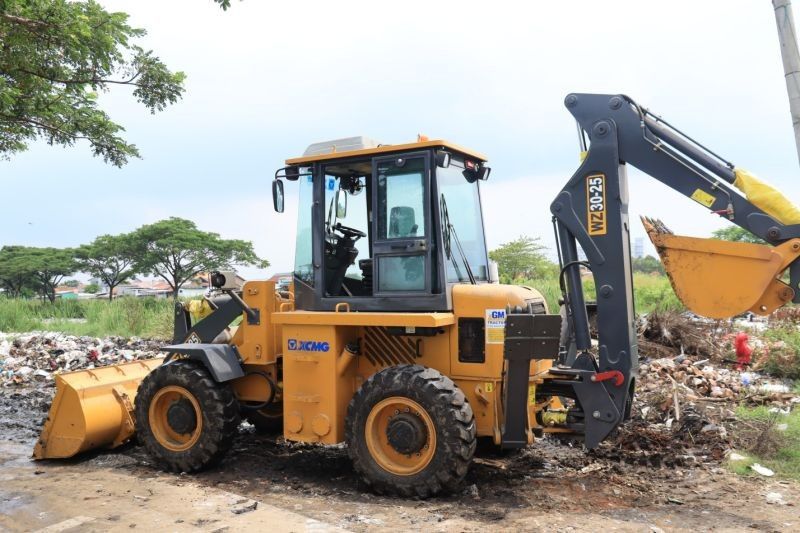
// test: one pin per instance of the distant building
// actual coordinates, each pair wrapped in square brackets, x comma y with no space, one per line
[638,247]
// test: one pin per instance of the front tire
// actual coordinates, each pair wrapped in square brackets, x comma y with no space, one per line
[185,419]
[410,431]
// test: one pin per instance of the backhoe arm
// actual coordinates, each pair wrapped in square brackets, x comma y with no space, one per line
[592,211]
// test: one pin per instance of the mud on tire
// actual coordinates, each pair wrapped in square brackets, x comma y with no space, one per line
[447,408]
[215,427]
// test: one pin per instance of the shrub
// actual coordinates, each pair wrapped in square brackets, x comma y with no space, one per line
[780,355]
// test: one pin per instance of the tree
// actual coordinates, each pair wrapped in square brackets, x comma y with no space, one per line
[176,250]
[647,265]
[49,266]
[15,274]
[72,283]
[523,258]
[39,268]
[55,57]
[110,258]
[736,234]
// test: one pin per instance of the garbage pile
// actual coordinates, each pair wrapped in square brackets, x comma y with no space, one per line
[693,374]
[662,333]
[36,357]
[692,359]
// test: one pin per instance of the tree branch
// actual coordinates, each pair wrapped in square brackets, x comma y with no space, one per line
[23,21]
[93,80]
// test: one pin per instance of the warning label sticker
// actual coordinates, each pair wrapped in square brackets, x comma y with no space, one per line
[495,326]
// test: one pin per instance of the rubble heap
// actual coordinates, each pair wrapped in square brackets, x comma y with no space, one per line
[37,356]
[662,333]
[689,386]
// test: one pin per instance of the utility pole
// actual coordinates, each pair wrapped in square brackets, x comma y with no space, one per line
[791,61]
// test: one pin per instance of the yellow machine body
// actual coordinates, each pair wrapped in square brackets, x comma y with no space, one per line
[94,408]
[720,279]
[318,385]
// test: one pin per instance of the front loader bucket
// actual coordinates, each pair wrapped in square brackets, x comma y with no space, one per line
[92,408]
[722,279]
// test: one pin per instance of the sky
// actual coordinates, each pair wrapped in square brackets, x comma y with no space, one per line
[266,79]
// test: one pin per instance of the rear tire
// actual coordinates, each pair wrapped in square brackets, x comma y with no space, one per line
[410,431]
[185,419]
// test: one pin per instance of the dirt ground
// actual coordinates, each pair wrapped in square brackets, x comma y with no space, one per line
[267,483]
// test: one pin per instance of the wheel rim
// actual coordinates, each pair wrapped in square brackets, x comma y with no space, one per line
[162,419]
[399,415]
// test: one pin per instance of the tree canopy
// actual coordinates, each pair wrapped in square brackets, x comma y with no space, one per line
[523,258]
[15,276]
[176,251]
[39,269]
[736,234]
[647,265]
[173,249]
[109,258]
[56,56]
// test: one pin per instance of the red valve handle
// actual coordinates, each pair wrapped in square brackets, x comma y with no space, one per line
[616,375]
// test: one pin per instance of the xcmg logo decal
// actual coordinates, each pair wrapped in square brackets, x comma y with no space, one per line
[296,345]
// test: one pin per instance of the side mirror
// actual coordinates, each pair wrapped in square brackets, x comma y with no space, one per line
[442,159]
[341,204]
[277,195]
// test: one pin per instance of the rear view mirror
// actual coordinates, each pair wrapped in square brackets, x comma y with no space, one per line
[277,195]
[341,204]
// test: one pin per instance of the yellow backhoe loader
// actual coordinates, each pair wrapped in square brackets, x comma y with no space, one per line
[394,335]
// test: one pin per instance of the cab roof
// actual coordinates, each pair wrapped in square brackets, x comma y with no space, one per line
[363,146]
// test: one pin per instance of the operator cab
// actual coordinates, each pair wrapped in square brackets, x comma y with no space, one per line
[384,227]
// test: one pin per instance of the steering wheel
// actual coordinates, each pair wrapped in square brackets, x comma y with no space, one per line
[349,232]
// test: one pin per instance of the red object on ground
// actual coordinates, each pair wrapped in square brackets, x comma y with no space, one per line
[743,350]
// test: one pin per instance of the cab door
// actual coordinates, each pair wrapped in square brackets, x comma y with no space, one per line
[402,226]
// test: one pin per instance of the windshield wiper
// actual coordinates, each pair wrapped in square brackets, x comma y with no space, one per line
[451,230]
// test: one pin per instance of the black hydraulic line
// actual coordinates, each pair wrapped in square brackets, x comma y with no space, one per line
[690,150]
[575,301]
[687,137]
[561,282]
[558,243]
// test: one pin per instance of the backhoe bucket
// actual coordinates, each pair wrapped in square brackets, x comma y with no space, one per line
[92,408]
[722,279]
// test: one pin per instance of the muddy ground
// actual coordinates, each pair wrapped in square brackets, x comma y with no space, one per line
[266,482]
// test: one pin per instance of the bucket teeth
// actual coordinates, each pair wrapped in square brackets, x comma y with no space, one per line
[655,226]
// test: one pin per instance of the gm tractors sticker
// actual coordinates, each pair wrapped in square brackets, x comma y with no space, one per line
[495,326]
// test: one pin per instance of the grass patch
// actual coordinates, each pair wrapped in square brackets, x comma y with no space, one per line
[651,292]
[125,317]
[763,441]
